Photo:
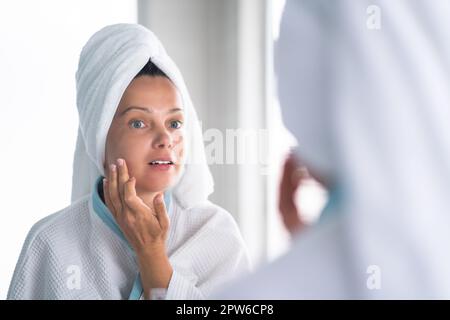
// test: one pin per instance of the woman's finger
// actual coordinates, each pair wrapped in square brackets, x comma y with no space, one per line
[123,177]
[161,213]
[107,199]
[113,189]
[132,201]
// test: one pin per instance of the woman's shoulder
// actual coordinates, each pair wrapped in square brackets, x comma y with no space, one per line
[59,223]
[47,242]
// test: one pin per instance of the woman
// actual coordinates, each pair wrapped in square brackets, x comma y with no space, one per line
[140,224]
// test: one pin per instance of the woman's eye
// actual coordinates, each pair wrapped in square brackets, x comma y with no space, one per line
[137,124]
[175,124]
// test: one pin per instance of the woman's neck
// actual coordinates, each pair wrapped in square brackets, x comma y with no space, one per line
[147,197]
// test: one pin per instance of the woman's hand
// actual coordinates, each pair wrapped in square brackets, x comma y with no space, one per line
[293,174]
[145,227]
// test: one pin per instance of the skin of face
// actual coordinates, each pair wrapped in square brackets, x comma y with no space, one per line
[153,130]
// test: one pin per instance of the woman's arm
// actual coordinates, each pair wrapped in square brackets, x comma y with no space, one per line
[205,261]
[155,269]
[145,226]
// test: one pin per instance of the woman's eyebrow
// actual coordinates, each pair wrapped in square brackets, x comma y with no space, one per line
[136,108]
[148,110]
[175,110]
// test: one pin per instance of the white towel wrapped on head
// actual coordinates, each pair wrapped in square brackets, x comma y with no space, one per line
[108,63]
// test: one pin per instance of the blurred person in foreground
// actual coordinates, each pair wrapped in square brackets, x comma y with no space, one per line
[369,103]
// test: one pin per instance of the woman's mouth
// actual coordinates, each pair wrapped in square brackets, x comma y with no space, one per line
[162,165]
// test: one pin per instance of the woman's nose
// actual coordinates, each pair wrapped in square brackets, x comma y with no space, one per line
[163,140]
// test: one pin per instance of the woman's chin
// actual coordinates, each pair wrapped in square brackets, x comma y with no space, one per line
[154,186]
[156,181]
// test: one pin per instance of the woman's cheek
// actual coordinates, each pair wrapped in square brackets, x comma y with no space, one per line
[179,142]
[180,157]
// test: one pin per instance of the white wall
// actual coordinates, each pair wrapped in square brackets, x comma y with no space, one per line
[39,49]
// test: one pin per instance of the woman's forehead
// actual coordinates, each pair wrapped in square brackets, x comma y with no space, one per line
[149,110]
[150,94]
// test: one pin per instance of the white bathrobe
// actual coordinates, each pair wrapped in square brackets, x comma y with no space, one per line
[79,252]
[73,254]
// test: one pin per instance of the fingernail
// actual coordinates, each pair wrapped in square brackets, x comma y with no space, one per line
[104,180]
[120,162]
[112,167]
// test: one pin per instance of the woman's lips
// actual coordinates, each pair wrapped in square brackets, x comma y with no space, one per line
[160,167]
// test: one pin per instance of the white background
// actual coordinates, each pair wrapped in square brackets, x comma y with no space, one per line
[40,42]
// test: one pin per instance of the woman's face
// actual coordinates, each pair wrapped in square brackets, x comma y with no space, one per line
[147,131]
